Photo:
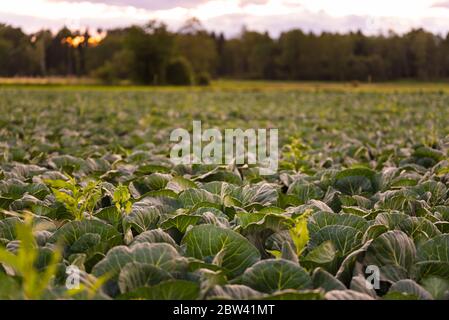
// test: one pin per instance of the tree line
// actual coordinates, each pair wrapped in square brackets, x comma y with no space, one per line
[151,54]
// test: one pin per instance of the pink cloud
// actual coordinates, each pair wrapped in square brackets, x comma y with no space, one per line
[144,4]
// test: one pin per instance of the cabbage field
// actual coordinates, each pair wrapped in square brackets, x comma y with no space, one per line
[92,207]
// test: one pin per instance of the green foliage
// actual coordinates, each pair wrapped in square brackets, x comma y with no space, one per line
[121,199]
[34,283]
[299,233]
[203,79]
[179,72]
[276,275]
[92,169]
[141,54]
[115,69]
[295,155]
[150,47]
[78,200]
[198,46]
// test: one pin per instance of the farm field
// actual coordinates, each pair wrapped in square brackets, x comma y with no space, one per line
[86,184]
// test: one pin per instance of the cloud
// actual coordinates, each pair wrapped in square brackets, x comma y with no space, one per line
[444,4]
[276,24]
[144,4]
[258,2]
[321,21]
[29,23]
[228,16]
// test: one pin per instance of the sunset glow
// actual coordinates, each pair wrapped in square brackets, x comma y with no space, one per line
[76,41]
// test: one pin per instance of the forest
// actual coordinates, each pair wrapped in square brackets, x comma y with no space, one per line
[153,54]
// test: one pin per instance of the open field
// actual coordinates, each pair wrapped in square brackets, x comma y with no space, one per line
[68,83]
[86,181]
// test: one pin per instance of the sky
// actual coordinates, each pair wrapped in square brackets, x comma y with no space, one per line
[229,16]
